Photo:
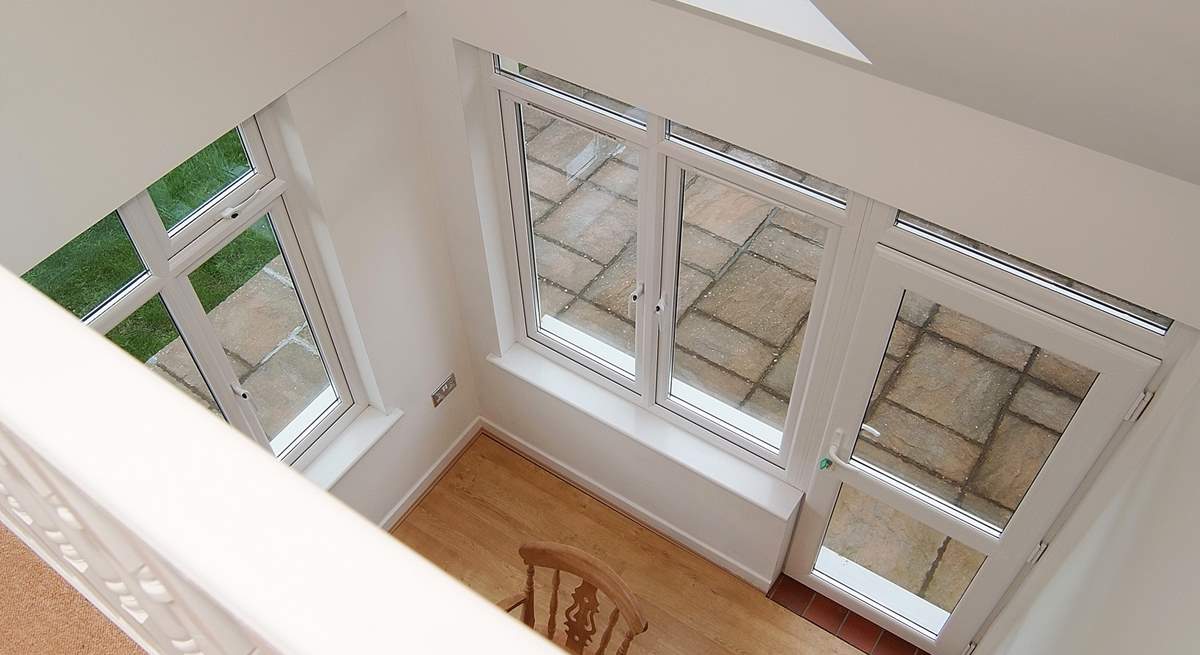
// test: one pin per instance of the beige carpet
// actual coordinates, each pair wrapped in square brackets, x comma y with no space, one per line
[41,614]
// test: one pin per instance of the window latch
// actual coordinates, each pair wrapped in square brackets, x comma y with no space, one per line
[235,211]
[244,395]
[660,308]
[634,297]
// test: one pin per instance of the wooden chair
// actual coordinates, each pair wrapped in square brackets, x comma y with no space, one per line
[579,618]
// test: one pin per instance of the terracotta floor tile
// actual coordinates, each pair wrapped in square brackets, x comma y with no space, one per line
[825,613]
[792,595]
[860,633]
[890,644]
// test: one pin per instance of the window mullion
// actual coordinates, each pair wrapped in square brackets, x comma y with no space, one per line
[145,229]
[202,340]
[652,215]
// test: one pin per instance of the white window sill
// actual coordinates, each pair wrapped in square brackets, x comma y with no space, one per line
[741,478]
[344,449]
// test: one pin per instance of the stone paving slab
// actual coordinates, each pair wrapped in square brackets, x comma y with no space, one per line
[254,319]
[801,224]
[1012,462]
[924,442]
[612,287]
[766,408]
[760,298]
[965,330]
[1044,406]
[1062,373]
[954,387]
[955,570]
[868,532]
[285,385]
[724,346]
[789,250]
[563,267]
[703,250]
[604,326]
[593,222]
[549,183]
[782,375]
[717,383]
[723,211]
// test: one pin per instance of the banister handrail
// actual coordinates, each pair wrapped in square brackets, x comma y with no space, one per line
[188,535]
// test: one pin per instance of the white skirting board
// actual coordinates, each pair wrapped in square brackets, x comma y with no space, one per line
[759,577]
[431,476]
[642,514]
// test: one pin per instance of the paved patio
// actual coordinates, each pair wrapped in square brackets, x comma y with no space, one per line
[967,413]
[746,281]
[268,342]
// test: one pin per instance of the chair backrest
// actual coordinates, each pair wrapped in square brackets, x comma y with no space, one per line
[579,617]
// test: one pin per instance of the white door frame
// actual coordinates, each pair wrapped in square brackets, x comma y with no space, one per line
[1123,375]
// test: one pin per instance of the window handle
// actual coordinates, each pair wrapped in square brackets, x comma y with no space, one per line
[660,308]
[634,297]
[235,211]
[244,395]
[835,448]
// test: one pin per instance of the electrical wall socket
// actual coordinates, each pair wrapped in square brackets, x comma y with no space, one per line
[444,390]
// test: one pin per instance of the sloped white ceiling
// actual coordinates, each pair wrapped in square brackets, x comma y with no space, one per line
[1119,77]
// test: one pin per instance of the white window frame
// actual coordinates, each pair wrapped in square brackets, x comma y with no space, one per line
[169,257]
[660,158]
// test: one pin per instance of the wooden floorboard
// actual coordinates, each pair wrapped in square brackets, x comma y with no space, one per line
[493,499]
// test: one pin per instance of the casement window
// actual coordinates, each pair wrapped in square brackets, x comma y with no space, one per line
[691,272]
[201,276]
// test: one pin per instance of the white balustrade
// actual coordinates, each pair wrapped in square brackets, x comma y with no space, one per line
[184,533]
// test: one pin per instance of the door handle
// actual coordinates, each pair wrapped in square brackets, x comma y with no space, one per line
[834,455]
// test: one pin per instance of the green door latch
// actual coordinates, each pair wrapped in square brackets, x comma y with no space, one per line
[824,463]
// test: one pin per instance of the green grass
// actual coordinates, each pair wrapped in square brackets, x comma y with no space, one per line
[93,266]
[90,268]
[178,193]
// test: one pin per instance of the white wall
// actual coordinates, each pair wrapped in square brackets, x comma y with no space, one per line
[356,122]
[99,99]
[1117,226]
[1132,585]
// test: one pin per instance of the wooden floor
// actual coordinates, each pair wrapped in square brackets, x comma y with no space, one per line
[493,499]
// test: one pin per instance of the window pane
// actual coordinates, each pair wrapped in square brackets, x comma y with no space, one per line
[150,335]
[248,293]
[582,190]
[1126,310]
[90,269]
[196,181]
[580,93]
[824,188]
[896,561]
[745,282]
[967,413]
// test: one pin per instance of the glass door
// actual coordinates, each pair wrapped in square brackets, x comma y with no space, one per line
[963,422]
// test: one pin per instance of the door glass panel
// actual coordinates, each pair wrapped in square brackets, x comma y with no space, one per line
[201,178]
[150,335]
[965,412]
[248,293]
[895,560]
[90,269]
[744,286]
[582,196]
